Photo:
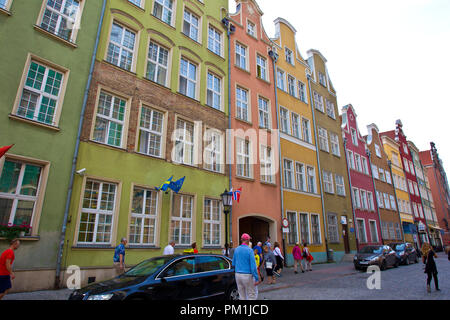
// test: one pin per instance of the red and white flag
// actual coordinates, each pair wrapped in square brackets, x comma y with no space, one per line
[237,194]
[4,150]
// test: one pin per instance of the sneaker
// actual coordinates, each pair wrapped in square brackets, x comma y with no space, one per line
[438,289]
[303,271]
[276,273]
[295,272]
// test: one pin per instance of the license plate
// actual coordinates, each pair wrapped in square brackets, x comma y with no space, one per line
[363,262]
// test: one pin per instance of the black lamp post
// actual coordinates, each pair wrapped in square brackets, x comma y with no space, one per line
[227,201]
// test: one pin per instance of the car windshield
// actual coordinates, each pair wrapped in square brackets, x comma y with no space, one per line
[372,249]
[147,267]
[400,247]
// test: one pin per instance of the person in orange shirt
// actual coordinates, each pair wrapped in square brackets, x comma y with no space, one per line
[6,263]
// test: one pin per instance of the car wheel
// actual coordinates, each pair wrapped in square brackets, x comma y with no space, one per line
[233,294]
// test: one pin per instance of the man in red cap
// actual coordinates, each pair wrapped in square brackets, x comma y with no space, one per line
[245,270]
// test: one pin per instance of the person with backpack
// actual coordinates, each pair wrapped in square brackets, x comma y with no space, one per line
[269,262]
[307,258]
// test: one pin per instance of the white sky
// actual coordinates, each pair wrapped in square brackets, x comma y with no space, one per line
[390,59]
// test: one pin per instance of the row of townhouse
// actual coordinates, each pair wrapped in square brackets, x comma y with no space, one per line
[104,100]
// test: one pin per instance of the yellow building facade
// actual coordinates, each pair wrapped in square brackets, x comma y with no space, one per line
[302,205]
[401,189]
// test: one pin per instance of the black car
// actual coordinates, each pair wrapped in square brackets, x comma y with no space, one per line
[180,277]
[406,252]
[379,255]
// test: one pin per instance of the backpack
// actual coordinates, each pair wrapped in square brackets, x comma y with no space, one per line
[305,254]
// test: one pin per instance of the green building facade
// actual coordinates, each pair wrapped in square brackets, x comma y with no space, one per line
[157,108]
[46,49]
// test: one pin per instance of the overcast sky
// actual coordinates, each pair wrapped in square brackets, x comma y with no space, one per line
[390,59]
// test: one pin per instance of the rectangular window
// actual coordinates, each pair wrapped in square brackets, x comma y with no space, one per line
[264,113]
[398,234]
[351,160]
[340,186]
[295,125]
[284,119]
[211,223]
[261,67]
[121,47]
[311,172]
[354,137]
[266,165]
[151,131]
[405,165]
[59,17]
[384,230]
[300,175]
[391,230]
[323,139]
[358,162]
[386,200]
[330,109]
[380,199]
[213,151]
[288,174]
[163,10]
[393,205]
[281,81]
[306,130]
[241,56]
[251,29]
[144,212]
[381,174]
[242,104]
[411,167]
[315,229]
[302,92]
[364,165]
[377,151]
[110,120]
[214,92]
[215,40]
[322,79]
[184,144]
[361,231]
[375,172]
[41,94]
[293,235]
[181,219]
[289,56]
[292,86]
[334,139]
[157,63]
[333,229]
[188,78]
[19,192]
[97,213]
[190,25]
[373,231]
[356,198]
[243,158]
[328,182]
[370,201]
[4,4]
[318,101]
[364,203]
[395,159]
[304,228]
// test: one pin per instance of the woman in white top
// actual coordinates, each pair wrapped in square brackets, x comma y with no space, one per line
[279,257]
[306,257]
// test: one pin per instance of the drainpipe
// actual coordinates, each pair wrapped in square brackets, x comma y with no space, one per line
[396,200]
[368,153]
[351,195]
[325,234]
[274,58]
[75,156]
[420,195]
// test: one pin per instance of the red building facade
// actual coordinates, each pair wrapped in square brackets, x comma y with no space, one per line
[366,215]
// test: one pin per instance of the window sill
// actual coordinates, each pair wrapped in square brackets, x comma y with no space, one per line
[5,12]
[244,121]
[270,184]
[120,68]
[26,238]
[211,248]
[108,146]
[263,80]
[220,56]
[139,246]
[93,246]
[193,99]
[242,69]
[54,36]
[245,178]
[165,23]
[37,123]
[156,83]
[193,40]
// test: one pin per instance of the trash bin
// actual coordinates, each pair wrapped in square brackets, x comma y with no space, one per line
[330,255]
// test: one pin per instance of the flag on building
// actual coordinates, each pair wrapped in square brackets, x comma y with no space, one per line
[176,186]
[4,150]
[236,194]
[165,185]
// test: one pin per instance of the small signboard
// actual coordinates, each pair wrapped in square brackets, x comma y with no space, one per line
[343,220]
[285,230]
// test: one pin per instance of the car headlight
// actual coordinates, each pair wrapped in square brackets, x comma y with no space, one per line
[374,259]
[355,258]
[100,297]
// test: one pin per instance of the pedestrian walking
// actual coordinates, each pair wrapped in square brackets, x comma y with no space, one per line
[193,248]
[258,264]
[119,257]
[297,254]
[169,249]
[6,267]
[230,250]
[267,243]
[246,273]
[307,258]
[428,256]
[260,252]
[279,257]
[269,262]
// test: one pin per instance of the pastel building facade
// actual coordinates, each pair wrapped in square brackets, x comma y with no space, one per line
[254,145]
[302,205]
[365,204]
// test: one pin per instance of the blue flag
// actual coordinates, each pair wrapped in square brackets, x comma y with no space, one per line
[176,186]
[165,185]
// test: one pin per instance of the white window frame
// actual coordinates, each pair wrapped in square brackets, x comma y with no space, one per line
[285,120]
[190,29]
[334,140]
[302,94]
[166,11]
[241,56]
[122,48]
[180,219]
[214,91]
[354,135]
[281,80]
[213,156]
[143,216]
[293,227]
[356,197]
[215,40]
[300,174]
[243,159]
[306,130]
[188,78]
[212,224]
[266,164]
[363,229]
[340,185]
[318,102]
[292,85]
[289,55]
[304,228]
[288,174]
[264,112]
[72,19]
[261,67]
[151,131]
[312,187]
[328,182]
[296,126]
[373,223]
[184,143]
[330,109]
[319,234]
[160,53]
[241,104]
[323,139]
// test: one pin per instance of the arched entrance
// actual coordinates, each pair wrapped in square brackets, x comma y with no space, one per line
[257,227]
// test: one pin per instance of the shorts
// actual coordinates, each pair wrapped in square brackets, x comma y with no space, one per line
[5,283]
[269,272]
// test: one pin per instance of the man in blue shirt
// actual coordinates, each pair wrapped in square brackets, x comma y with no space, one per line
[245,270]
[119,257]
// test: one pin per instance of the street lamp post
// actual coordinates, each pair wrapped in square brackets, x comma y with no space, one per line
[227,201]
